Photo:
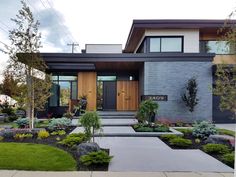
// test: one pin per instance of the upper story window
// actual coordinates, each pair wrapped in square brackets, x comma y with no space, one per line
[166,44]
[217,47]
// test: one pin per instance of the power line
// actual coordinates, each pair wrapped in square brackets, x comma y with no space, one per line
[3,29]
[69,35]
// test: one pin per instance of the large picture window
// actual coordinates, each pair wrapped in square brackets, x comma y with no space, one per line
[217,47]
[63,89]
[166,44]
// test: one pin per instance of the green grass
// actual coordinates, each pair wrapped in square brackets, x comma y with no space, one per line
[35,157]
[186,131]
[226,132]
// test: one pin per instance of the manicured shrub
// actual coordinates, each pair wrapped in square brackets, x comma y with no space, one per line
[161,128]
[59,132]
[43,134]
[91,122]
[216,148]
[228,159]
[1,138]
[74,139]
[22,122]
[180,142]
[20,137]
[96,158]
[204,129]
[60,123]
[168,137]
[144,129]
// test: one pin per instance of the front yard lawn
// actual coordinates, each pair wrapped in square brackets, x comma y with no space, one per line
[27,156]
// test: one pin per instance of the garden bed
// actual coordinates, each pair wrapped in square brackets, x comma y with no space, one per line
[140,127]
[188,141]
[53,141]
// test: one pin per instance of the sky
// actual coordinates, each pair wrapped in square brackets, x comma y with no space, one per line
[101,21]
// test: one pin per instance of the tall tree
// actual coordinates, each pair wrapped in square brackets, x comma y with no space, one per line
[225,85]
[25,62]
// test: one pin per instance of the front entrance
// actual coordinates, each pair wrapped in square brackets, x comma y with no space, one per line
[127,95]
[109,95]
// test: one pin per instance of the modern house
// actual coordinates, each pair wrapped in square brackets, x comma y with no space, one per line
[159,57]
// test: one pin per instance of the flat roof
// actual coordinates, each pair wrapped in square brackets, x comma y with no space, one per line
[138,27]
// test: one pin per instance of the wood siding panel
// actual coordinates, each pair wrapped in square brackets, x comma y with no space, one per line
[127,95]
[87,82]
[224,59]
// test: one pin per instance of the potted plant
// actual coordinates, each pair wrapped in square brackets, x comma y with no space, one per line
[83,103]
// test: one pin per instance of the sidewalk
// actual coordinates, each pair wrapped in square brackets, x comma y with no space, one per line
[13,173]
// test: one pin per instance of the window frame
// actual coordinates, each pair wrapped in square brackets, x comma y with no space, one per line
[148,43]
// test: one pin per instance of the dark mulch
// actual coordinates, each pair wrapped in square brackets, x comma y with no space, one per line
[52,141]
[195,146]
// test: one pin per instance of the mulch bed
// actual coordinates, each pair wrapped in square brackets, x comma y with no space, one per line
[194,146]
[51,141]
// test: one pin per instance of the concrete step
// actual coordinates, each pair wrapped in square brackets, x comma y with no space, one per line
[113,122]
[125,131]
[116,117]
[116,113]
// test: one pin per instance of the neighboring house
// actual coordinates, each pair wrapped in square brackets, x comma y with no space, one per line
[157,61]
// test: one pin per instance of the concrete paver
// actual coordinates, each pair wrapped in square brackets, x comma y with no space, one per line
[108,129]
[14,173]
[50,174]
[7,173]
[128,174]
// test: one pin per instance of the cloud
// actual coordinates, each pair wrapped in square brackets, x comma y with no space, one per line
[53,28]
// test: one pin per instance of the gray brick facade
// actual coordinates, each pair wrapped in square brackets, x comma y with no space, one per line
[170,78]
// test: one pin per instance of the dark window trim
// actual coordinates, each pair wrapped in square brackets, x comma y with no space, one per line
[147,38]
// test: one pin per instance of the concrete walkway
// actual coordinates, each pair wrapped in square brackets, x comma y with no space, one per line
[227,126]
[150,154]
[13,173]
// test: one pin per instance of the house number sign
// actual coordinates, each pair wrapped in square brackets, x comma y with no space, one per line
[155,97]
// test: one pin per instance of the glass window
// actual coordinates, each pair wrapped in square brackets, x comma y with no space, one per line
[54,97]
[74,90]
[217,47]
[106,78]
[166,44]
[155,44]
[171,44]
[64,93]
[70,78]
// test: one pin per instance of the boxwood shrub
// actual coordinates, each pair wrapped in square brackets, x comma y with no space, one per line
[216,148]
[74,139]
[96,158]
[168,137]
[180,142]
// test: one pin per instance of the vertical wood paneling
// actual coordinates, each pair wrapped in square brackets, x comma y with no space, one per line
[87,82]
[127,95]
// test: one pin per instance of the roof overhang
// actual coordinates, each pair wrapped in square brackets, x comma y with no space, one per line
[139,26]
[124,61]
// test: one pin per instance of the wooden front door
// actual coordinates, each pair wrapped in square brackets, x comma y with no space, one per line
[127,95]
[87,82]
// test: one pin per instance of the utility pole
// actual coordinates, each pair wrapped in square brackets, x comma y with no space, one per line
[73,46]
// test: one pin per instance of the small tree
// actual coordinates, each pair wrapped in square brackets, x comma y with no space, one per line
[147,110]
[25,62]
[91,122]
[190,94]
[225,84]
